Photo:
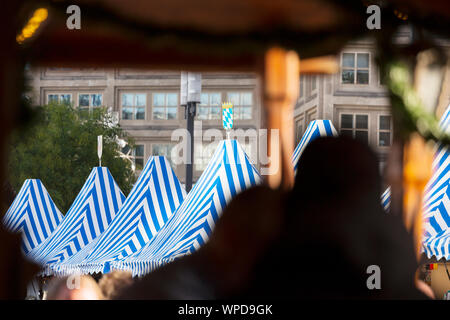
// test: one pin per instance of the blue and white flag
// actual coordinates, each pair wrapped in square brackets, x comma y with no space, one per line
[33,213]
[227,115]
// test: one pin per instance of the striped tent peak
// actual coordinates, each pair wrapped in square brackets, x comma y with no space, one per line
[315,129]
[436,200]
[441,153]
[438,245]
[386,199]
[436,206]
[436,211]
[445,119]
[154,198]
[437,193]
[32,213]
[435,187]
[228,173]
[94,208]
[436,238]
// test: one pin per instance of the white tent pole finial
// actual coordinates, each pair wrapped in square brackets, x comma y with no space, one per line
[99,149]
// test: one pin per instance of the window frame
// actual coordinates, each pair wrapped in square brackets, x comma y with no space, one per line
[354,129]
[134,93]
[134,157]
[165,107]
[209,106]
[91,108]
[355,68]
[301,93]
[240,106]
[391,130]
[314,79]
[59,96]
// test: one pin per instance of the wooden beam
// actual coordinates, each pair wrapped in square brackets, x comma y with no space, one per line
[281,89]
[418,159]
[323,65]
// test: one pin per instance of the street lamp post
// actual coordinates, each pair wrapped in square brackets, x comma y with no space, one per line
[190,92]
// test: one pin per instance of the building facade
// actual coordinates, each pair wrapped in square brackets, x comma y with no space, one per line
[147,106]
[146,103]
[354,99]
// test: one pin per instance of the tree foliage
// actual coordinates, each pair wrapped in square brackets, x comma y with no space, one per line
[60,149]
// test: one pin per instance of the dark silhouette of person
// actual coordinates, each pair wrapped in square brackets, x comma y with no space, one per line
[316,242]
[334,230]
[222,267]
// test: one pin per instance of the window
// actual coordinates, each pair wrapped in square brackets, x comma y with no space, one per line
[384,130]
[355,126]
[88,101]
[355,68]
[133,106]
[53,98]
[165,106]
[299,131]
[302,82]
[163,150]
[136,154]
[203,154]
[209,107]
[59,98]
[313,83]
[308,87]
[311,115]
[383,79]
[242,104]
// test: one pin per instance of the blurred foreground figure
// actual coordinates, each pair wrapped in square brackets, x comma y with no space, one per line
[33,290]
[113,283]
[321,241]
[74,288]
[249,224]
[336,233]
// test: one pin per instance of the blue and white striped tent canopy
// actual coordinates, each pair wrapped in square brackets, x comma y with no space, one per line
[316,129]
[438,245]
[92,211]
[436,213]
[33,213]
[228,173]
[437,202]
[152,201]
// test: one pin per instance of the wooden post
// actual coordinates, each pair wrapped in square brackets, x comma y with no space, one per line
[418,159]
[281,89]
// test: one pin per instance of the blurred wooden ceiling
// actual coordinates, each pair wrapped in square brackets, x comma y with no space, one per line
[201,34]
